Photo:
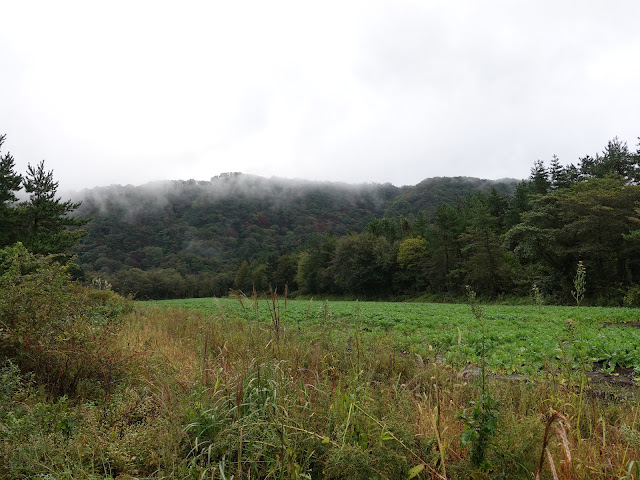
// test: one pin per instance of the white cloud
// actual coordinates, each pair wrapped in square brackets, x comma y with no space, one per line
[128,92]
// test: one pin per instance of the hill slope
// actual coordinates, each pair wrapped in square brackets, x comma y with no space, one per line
[204,230]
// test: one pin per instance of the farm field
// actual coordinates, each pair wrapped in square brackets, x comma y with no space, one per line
[519,339]
[208,388]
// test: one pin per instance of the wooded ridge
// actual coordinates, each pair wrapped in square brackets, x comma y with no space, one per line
[193,238]
[432,240]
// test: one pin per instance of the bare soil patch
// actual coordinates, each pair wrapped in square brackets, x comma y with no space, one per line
[635,324]
[620,377]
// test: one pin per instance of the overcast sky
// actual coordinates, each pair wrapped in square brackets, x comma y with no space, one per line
[359,91]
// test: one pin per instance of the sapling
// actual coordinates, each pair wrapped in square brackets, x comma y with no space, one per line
[481,423]
[538,299]
[579,283]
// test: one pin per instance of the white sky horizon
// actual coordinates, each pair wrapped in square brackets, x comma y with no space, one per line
[355,92]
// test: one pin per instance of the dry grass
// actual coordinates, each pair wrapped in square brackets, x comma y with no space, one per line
[216,396]
[421,399]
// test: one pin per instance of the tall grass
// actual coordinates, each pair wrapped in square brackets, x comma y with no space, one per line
[210,397]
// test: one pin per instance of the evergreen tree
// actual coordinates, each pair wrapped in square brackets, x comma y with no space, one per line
[518,204]
[539,178]
[44,218]
[572,174]
[559,175]
[449,224]
[593,221]
[497,206]
[10,183]
[421,225]
[616,159]
[486,264]
[588,167]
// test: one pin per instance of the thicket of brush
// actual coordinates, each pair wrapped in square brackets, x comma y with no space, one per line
[91,390]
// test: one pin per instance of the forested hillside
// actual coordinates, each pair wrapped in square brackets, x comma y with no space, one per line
[200,238]
[527,243]
[187,239]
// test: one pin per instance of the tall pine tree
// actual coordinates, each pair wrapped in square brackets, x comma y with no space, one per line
[10,183]
[539,178]
[45,219]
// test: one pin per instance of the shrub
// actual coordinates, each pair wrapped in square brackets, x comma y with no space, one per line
[632,297]
[54,327]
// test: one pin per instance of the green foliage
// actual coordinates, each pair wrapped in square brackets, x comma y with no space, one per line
[37,295]
[481,426]
[284,273]
[487,265]
[59,359]
[44,218]
[579,283]
[315,272]
[587,221]
[10,381]
[10,182]
[412,252]
[521,339]
[43,223]
[53,327]
[428,195]
[413,257]
[192,239]
[385,227]
[364,264]
[215,399]
[248,422]
[632,297]
[206,230]
[540,183]
[616,159]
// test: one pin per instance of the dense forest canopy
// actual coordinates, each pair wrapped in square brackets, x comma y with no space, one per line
[196,238]
[244,232]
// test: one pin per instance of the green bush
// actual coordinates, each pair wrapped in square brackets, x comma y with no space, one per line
[10,381]
[632,297]
[54,327]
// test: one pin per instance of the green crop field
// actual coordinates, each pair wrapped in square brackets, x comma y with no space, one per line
[520,339]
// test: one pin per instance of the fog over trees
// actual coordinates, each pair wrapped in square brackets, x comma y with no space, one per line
[245,232]
[194,238]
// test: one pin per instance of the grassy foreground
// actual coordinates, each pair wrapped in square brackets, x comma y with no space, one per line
[334,391]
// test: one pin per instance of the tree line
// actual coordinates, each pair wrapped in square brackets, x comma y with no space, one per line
[190,239]
[501,245]
[429,240]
